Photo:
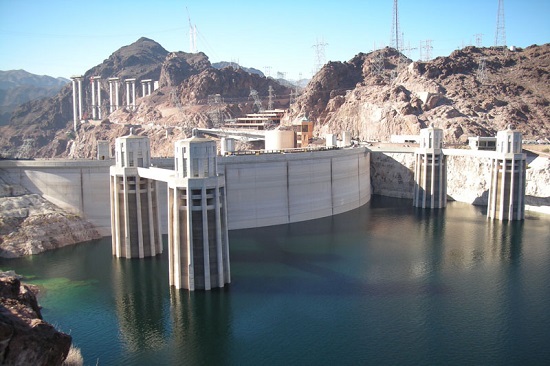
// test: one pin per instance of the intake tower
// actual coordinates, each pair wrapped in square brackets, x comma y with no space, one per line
[197,218]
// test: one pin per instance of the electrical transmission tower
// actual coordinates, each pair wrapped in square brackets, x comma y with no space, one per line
[500,34]
[174,98]
[319,55]
[215,100]
[426,50]
[378,64]
[395,28]
[192,35]
[267,71]
[482,71]
[257,102]
[479,40]
[271,95]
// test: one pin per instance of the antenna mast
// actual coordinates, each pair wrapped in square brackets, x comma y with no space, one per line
[500,34]
[395,31]
[192,34]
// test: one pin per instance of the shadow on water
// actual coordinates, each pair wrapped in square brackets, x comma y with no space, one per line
[313,250]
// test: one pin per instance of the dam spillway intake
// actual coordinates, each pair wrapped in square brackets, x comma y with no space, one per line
[198,238]
[430,170]
[135,221]
[507,185]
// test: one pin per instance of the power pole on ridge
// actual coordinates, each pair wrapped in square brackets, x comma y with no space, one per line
[192,35]
[395,28]
[319,55]
[500,34]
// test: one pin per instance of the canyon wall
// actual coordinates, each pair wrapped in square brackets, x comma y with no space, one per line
[468,176]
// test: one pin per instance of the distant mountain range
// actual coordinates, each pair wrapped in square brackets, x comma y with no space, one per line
[19,86]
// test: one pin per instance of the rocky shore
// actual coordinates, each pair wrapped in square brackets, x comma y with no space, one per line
[29,224]
[25,338]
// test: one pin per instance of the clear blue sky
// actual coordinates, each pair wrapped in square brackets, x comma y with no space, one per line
[67,37]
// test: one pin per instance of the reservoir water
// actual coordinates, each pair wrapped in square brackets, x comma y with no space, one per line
[384,284]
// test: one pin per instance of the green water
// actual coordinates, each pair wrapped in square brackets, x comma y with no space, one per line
[384,284]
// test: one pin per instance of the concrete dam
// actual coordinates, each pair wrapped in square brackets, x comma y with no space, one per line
[269,189]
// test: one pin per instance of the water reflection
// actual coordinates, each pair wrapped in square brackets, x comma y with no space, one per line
[201,326]
[138,290]
[506,239]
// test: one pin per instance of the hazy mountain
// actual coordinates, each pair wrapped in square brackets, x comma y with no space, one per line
[20,86]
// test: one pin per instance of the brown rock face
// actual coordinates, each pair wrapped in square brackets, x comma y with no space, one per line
[178,66]
[44,129]
[385,94]
[29,224]
[25,339]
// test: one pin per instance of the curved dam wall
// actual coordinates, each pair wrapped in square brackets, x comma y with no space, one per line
[273,189]
[262,190]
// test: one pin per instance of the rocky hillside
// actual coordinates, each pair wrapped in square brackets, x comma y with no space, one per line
[26,339]
[19,86]
[473,91]
[224,64]
[186,81]
[22,223]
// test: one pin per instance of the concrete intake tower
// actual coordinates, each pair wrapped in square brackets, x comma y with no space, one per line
[430,170]
[197,218]
[507,186]
[135,222]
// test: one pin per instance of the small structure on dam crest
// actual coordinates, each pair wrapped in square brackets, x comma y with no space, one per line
[507,187]
[430,170]
[197,218]
[135,222]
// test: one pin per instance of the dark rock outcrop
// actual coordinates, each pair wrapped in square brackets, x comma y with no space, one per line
[25,338]
[178,66]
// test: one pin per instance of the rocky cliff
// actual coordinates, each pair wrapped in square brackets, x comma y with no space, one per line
[25,338]
[473,91]
[29,224]
[45,129]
